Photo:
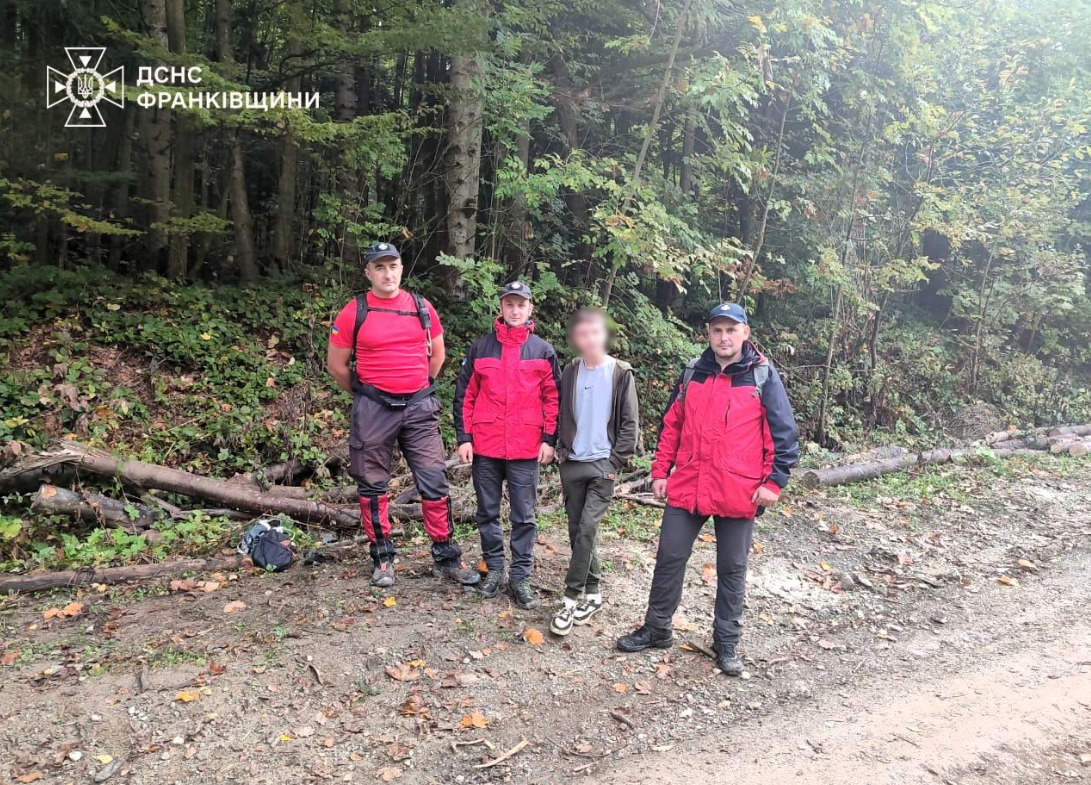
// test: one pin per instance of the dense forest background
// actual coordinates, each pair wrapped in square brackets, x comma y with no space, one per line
[899,190]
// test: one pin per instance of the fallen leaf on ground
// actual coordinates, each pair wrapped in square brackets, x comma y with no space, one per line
[235,606]
[757,547]
[533,636]
[188,696]
[643,687]
[474,720]
[1027,565]
[104,759]
[9,657]
[389,773]
[71,609]
[708,574]
[390,602]
[32,776]
[662,670]
[403,671]
[1007,580]
[620,687]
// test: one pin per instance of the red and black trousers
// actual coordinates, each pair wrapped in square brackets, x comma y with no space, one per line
[380,422]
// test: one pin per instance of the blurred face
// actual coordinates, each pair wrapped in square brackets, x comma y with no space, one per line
[515,310]
[726,338]
[589,338]
[385,276]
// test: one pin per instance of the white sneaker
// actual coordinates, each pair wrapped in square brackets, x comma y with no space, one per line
[562,619]
[586,608]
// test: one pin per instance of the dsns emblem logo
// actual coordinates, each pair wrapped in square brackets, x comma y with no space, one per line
[85,87]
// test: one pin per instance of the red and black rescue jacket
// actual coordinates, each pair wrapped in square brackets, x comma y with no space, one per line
[507,392]
[724,439]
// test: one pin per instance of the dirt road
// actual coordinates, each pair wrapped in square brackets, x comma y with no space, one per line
[1007,700]
[928,629]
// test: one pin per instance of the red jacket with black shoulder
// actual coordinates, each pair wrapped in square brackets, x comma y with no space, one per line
[506,397]
[724,437]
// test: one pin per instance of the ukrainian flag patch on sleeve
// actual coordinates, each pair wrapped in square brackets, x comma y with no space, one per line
[334,330]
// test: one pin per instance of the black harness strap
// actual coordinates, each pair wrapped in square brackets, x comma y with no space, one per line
[362,308]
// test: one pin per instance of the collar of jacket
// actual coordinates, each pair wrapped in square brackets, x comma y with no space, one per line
[750,357]
[513,335]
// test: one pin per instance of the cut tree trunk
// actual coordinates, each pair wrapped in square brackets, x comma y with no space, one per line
[138,572]
[839,475]
[95,507]
[237,496]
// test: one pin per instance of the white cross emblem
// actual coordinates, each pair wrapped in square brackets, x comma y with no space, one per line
[85,87]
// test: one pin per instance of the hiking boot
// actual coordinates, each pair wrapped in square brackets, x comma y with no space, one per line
[456,571]
[727,659]
[383,576]
[563,618]
[494,581]
[523,595]
[587,607]
[645,638]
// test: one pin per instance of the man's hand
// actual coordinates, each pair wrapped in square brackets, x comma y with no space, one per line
[545,454]
[763,497]
[466,452]
[659,489]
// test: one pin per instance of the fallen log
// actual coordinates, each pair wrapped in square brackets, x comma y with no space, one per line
[839,475]
[647,499]
[95,507]
[1070,430]
[138,572]
[1079,449]
[1013,452]
[236,496]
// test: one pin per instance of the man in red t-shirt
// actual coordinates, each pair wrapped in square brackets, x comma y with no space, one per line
[398,353]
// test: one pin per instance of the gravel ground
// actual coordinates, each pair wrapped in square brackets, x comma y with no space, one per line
[862,603]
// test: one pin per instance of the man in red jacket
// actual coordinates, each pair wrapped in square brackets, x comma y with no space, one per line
[506,421]
[395,340]
[730,435]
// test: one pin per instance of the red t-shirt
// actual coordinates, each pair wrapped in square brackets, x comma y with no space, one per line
[391,351]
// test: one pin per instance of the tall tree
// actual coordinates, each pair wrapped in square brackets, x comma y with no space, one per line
[155,140]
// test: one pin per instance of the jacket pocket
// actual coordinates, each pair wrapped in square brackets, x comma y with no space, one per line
[743,464]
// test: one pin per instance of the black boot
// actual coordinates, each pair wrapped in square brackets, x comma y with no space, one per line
[645,638]
[522,594]
[494,581]
[727,659]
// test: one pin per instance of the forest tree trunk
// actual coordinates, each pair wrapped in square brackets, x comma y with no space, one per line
[155,138]
[463,159]
[289,160]
[245,256]
[185,138]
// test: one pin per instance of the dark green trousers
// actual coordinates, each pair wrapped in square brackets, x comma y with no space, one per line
[588,488]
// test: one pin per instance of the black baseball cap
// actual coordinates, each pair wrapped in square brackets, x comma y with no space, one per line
[517,287]
[377,251]
[728,311]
